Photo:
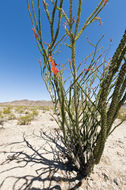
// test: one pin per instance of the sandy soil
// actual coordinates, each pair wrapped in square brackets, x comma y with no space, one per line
[30,159]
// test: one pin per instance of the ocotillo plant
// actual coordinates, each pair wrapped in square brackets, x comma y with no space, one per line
[85,113]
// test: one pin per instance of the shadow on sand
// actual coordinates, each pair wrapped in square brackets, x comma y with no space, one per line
[52,171]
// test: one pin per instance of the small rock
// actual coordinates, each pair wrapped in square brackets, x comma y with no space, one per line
[118,153]
[56,177]
[51,119]
[1,122]
[105,176]
[119,141]
[115,180]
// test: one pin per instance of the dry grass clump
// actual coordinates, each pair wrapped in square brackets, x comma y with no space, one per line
[25,120]
[26,109]
[27,112]
[7,110]
[1,114]
[30,114]
[11,116]
[20,109]
[44,108]
[1,118]
[23,114]
[7,113]
[35,113]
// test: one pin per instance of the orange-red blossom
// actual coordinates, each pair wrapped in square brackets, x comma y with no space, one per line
[54,69]
[36,36]
[105,1]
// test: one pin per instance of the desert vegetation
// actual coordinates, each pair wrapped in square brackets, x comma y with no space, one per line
[25,120]
[88,93]
[7,110]
[99,84]
[24,115]
[30,113]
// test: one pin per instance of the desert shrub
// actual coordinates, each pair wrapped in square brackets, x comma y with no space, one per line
[94,83]
[7,110]
[20,109]
[11,116]
[26,112]
[44,108]
[35,113]
[1,114]
[25,120]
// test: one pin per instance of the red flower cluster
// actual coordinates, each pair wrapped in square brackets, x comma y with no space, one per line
[54,69]
[36,36]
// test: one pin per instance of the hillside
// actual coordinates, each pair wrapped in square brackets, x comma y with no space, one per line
[26,102]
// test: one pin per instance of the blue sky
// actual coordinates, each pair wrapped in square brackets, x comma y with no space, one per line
[20,76]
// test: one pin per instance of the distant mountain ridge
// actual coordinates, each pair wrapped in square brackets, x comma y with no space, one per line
[26,102]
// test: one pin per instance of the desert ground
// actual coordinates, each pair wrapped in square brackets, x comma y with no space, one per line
[31,154]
